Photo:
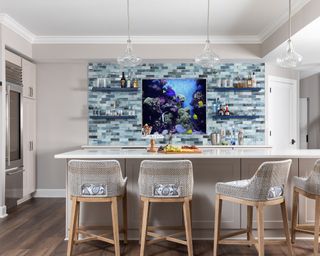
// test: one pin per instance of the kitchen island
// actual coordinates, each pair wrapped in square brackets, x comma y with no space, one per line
[211,166]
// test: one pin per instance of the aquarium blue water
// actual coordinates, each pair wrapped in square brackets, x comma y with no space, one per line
[174,105]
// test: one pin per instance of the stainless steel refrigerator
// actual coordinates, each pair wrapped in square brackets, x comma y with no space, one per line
[14,130]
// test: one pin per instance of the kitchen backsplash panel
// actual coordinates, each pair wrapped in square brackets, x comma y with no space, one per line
[126,130]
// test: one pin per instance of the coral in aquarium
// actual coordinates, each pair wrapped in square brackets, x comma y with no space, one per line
[175,106]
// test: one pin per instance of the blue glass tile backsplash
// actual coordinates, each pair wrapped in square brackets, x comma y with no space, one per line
[115,117]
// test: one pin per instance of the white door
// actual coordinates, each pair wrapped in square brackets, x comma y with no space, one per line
[303,122]
[282,113]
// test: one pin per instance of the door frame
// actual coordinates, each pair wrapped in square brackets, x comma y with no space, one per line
[292,82]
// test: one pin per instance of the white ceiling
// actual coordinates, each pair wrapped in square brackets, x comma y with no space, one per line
[307,43]
[250,19]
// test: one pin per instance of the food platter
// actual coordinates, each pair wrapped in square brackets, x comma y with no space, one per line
[183,151]
[170,149]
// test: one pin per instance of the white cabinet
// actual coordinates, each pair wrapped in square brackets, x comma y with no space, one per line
[29,79]
[13,58]
[29,146]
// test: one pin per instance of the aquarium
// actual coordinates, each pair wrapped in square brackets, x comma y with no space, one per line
[176,106]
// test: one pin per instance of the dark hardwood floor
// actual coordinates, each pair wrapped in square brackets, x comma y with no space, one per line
[36,228]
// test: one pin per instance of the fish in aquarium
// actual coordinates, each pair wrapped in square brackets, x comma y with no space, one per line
[176,106]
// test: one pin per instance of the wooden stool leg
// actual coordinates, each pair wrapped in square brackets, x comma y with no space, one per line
[249,222]
[77,221]
[286,226]
[316,227]
[144,226]
[125,218]
[294,219]
[260,219]
[187,223]
[217,217]
[72,226]
[115,225]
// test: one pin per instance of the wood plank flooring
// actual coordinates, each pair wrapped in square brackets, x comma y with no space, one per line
[36,228]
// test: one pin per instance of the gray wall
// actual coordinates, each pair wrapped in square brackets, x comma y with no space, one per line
[310,88]
[61,118]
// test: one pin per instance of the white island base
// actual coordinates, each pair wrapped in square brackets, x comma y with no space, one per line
[210,167]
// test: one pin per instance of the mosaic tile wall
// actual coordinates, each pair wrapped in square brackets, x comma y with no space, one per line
[127,131]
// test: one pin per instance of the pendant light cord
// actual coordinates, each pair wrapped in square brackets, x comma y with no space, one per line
[128,16]
[289,19]
[208,20]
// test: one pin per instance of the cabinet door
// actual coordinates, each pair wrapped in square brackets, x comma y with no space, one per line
[29,146]
[29,79]
[306,206]
[272,214]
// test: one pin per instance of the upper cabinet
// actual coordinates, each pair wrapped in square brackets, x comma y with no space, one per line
[29,79]
[13,58]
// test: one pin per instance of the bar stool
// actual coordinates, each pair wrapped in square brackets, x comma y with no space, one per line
[166,182]
[94,181]
[308,187]
[265,188]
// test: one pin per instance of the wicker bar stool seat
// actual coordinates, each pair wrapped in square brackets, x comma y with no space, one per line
[265,188]
[166,182]
[308,187]
[96,181]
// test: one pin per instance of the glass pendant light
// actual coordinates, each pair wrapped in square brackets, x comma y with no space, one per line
[208,58]
[290,58]
[129,59]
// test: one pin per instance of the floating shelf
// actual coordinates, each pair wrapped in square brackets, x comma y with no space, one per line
[217,117]
[246,89]
[111,89]
[112,117]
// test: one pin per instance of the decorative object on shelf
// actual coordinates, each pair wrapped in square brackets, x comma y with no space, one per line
[240,137]
[129,59]
[290,58]
[123,81]
[208,58]
[215,138]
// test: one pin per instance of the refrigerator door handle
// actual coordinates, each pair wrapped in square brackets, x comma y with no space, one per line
[8,125]
[16,172]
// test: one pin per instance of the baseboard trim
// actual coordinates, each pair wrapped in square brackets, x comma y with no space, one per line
[50,193]
[3,211]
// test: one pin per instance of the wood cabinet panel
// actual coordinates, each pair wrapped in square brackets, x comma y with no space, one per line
[29,146]
[29,79]
[306,206]
[273,219]
[207,172]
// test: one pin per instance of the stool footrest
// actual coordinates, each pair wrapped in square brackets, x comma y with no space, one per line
[170,238]
[232,234]
[96,237]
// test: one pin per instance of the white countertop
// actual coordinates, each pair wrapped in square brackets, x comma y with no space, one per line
[207,153]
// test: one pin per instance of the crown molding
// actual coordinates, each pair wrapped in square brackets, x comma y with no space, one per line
[145,40]
[16,27]
[277,23]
